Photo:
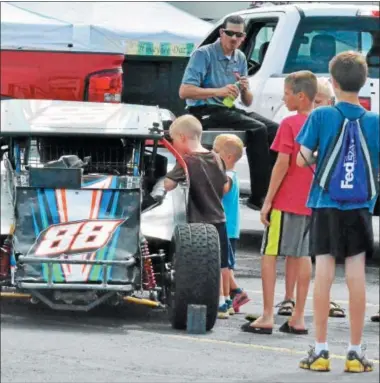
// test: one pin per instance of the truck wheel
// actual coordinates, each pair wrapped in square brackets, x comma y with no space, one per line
[196,266]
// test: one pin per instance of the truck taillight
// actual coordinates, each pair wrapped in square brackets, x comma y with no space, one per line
[365,102]
[105,86]
[369,12]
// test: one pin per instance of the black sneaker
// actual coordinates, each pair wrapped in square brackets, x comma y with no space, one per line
[316,362]
[356,363]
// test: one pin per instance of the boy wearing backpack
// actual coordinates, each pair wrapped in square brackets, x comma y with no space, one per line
[342,196]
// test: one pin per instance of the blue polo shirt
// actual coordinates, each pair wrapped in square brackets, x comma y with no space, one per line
[208,67]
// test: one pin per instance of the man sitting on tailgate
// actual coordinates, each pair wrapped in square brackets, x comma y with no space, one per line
[218,71]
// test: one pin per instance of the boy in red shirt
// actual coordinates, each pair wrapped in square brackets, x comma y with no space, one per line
[284,213]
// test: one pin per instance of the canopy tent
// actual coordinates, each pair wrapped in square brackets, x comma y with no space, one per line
[137,28]
[27,30]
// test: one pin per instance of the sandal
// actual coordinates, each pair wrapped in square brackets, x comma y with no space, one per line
[286,307]
[287,328]
[336,311]
[375,318]
[247,327]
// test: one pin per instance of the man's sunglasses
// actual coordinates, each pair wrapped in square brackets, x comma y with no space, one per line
[233,33]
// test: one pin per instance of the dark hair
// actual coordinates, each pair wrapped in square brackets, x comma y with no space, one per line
[349,69]
[303,81]
[234,19]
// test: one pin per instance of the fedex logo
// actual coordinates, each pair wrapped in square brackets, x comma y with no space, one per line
[349,167]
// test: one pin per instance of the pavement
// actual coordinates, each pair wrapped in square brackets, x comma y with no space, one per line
[137,344]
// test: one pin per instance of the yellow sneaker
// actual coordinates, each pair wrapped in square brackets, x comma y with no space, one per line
[223,312]
[356,363]
[316,362]
[230,308]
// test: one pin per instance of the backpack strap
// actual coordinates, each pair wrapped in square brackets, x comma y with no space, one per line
[344,117]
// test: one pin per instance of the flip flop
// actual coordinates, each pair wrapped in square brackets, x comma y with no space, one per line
[336,311]
[376,318]
[291,330]
[251,317]
[286,307]
[246,327]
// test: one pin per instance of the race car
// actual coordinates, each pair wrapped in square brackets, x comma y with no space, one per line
[84,218]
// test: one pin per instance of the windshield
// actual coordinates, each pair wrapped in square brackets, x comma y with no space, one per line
[319,39]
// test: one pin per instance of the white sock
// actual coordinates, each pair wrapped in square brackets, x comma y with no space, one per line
[357,348]
[227,299]
[221,301]
[321,347]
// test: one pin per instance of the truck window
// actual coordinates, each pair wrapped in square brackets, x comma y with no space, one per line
[260,33]
[319,39]
[263,38]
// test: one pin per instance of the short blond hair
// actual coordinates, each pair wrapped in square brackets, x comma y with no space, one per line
[187,125]
[325,88]
[229,144]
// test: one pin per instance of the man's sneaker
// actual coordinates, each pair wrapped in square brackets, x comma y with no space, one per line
[230,309]
[239,300]
[223,311]
[316,362]
[356,363]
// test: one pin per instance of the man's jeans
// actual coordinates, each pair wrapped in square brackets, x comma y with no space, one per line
[260,133]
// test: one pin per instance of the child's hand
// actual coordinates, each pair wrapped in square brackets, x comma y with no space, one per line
[264,213]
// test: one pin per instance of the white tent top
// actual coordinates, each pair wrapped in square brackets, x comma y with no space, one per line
[140,28]
[21,29]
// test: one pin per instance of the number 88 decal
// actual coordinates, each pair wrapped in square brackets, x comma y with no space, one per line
[78,237]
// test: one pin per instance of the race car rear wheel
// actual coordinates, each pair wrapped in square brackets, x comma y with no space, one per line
[196,272]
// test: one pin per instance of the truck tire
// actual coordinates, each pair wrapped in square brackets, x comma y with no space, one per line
[196,266]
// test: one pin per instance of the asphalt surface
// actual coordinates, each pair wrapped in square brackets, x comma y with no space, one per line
[137,344]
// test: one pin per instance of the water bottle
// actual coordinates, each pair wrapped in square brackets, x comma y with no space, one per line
[229,100]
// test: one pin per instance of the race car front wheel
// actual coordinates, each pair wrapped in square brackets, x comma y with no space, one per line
[196,273]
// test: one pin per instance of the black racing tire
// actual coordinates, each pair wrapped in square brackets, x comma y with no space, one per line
[196,265]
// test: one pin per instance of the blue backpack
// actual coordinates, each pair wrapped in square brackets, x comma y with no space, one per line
[347,173]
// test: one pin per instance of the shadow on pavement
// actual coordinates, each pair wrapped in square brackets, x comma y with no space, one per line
[103,318]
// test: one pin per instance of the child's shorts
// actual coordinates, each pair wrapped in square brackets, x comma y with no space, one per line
[224,243]
[232,253]
[288,235]
[341,233]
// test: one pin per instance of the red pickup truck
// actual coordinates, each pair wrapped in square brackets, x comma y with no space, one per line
[75,76]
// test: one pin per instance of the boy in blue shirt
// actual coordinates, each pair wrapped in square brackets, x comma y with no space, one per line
[340,229]
[230,148]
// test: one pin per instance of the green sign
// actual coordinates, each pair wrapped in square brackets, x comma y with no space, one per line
[147,48]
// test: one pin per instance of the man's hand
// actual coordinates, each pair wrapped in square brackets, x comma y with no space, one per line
[228,91]
[264,213]
[244,84]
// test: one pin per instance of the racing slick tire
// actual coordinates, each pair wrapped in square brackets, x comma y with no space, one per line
[196,266]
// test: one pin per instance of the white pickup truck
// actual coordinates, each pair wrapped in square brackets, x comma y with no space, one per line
[284,39]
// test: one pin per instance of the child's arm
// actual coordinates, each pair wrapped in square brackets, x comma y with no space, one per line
[176,175]
[169,184]
[308,138]
[306,157]
[227,186]
[278,174]
[283,144]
